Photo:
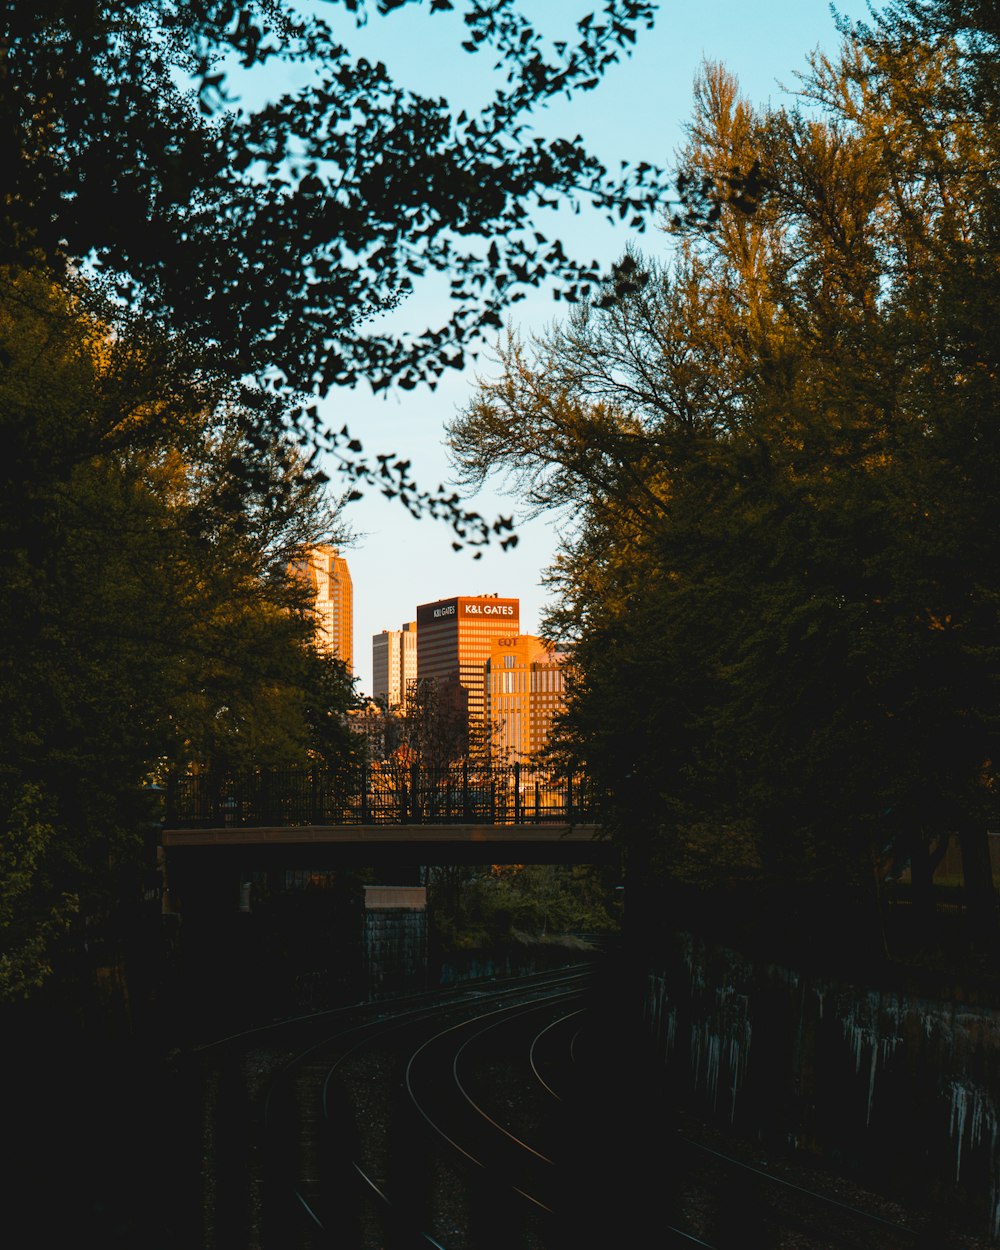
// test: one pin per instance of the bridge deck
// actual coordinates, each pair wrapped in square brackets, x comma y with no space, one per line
[425,844]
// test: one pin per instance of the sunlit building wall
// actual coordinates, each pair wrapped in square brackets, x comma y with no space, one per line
[333,605]
[525,690]
[454,641]
[394,663]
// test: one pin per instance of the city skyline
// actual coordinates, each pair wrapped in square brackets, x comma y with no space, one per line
[509,682]
[408,621]
[637,113]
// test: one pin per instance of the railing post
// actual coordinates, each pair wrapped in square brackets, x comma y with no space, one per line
[414,793]
[517,792]
[170,800]
[366,814]
[267,812]
[466,813]
[213,797]
[569,797]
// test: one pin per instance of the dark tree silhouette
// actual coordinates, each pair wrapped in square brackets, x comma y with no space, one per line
[270,238]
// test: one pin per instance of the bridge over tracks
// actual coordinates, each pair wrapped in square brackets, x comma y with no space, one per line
[392,814]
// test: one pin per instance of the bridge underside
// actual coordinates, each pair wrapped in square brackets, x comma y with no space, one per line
[330,846]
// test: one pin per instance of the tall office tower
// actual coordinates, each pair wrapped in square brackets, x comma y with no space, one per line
[333,607]
[524,690]
[454,637]
[394,663]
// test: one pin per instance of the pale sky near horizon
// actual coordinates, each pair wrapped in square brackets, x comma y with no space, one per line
[636,113]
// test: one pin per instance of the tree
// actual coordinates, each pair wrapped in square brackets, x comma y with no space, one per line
[423,744]
[179,280]
[519,903]
[782,453]
[270,238]
[147,618]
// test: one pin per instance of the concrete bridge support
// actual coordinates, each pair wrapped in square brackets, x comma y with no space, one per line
[394,942]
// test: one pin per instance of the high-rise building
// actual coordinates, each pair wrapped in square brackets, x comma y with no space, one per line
[454,639]
[525,690]
[394,664]
[333,605]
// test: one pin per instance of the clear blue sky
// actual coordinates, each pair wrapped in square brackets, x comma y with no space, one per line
[637,113]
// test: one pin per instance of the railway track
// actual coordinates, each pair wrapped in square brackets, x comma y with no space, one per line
[306,1126]
[517,1115]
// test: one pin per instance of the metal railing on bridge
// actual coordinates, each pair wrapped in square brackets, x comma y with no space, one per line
[378,794]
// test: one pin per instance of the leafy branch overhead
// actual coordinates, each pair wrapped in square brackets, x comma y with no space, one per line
[272,237]
[390,476]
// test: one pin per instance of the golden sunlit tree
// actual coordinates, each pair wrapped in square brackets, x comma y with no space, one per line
[146,620]
[781,452]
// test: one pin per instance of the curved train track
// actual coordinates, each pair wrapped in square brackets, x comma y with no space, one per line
[518,1115]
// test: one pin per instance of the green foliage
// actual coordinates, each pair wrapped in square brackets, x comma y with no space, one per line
[494,906]
[148,621]
[33,917]
[179,279]
[781,450]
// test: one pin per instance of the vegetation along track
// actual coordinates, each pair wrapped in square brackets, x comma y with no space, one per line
[520,1114]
